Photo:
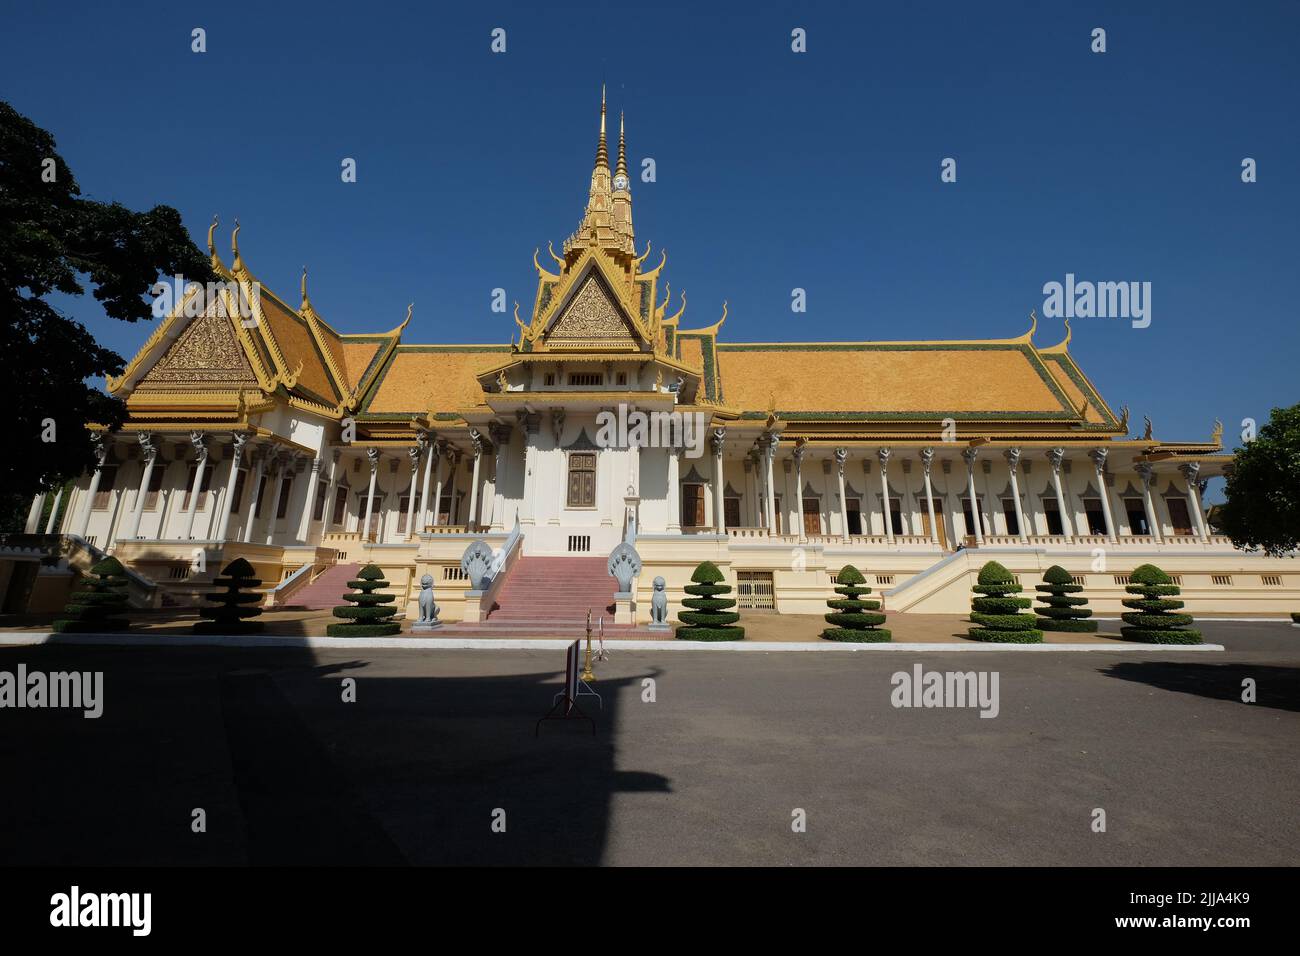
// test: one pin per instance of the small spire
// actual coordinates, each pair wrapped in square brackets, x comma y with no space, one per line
[602,151]
[622,148]
[306,303]
[234,247]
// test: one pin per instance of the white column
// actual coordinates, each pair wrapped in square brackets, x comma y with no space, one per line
[800,450]
[1190,472]
[278,476]
[718,439]
[304,526]
[83,519]
[927,460]
[501,439]
[453,470]
[883,454]
[1147,474]
[769,454]
[674,490]
[228,503]
[373,455]
[841,456]
[34,514]
[529,427]
[1013,462]
[200,443]
[331,492]
[149,454]
[970,454]
[434,448]
[256,499]
[476,439]
[54,511]
[1098,456]
[414,454]
[1055,457]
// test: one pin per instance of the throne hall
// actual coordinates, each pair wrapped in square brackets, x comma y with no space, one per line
[307,451]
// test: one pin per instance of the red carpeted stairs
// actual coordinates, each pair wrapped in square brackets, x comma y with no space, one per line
[555,591]
[327,590]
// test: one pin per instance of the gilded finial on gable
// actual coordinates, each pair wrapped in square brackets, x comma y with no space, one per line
[1123,419]
[1147,435]
[212,248]
[238,264]
[1216,433]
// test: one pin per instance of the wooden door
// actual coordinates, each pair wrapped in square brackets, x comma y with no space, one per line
[938,520]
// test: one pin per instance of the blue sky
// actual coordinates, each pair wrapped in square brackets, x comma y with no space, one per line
[775,170]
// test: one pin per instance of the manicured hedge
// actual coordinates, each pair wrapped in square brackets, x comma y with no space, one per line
[1150,621]
[367,615]
[1059,611]
[856,620]
[995,610]
[709,618]
[235,605]
[91,608]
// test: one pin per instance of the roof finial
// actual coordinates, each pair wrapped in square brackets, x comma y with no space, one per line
[212,249]
[234,247]
[622,148]
[306,304]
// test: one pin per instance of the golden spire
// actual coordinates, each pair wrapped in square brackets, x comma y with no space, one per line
[621,168]
[602,152]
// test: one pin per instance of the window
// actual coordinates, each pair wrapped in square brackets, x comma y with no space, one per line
[340,505]
[318,506]
[1009,516]
[261,496]
[582,479]
[731,510]
[1179,516]
[969,516]
[237,500]
[548,378]
[403,504]
[692,506]
[104,493]
[896,515]
[622,378]
[1096,516]
[1222,580]
[203,487]
[586,378]
[780,518]
[1137,516]
[853,513]
[812,515]
[286,486]
[1052,512]
[446,508]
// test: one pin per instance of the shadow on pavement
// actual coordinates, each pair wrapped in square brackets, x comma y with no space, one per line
[1276,687]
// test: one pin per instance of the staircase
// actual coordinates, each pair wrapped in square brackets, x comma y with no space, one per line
[328,589]
[556,592]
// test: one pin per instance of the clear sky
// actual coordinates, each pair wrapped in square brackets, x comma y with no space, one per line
[775,170]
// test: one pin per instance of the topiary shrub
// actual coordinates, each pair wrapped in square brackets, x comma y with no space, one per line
[854,618]
[1150,621]
[1295,617]
[366,616]
[998,610]
[1060,611]
[91,608]
[708,619]
[235,605]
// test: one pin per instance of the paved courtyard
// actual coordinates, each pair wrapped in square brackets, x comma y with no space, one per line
[710,772]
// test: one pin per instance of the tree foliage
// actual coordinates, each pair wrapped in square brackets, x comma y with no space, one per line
[1263,487]
[54,241]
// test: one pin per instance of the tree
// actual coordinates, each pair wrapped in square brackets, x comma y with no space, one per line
[998,610]
[1263,488]
[708,619]
[235,605]
[52,240]
[1150,620]
[366,616]
[90,609]
[1060,611]
[856,620]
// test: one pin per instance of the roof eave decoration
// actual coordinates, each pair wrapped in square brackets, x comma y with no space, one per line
[318,327]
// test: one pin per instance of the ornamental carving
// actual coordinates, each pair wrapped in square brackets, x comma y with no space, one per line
[590,318]
[205,352]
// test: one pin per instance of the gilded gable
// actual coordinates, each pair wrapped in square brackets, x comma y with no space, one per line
[591,319]
[204,353]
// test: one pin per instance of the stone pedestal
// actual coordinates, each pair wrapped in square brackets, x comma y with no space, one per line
[473,599]
[624,607]
[659,627]
[421,628]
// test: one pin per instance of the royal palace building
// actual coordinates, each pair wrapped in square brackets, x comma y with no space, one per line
[256,429]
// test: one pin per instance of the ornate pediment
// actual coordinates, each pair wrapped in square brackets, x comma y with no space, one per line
[591,319]
[207,352]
